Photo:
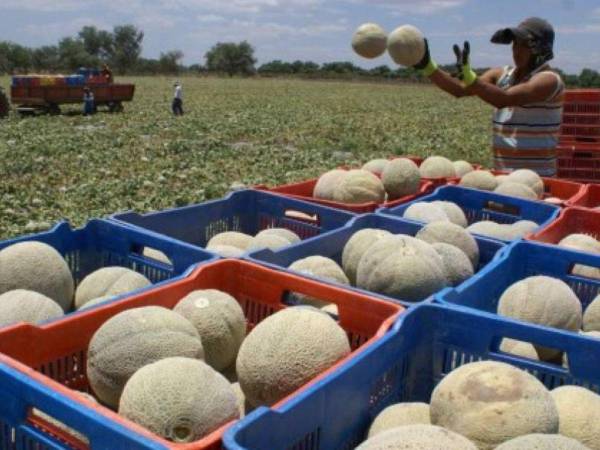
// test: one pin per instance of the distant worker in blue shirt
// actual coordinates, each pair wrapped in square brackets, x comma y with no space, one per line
[89,106]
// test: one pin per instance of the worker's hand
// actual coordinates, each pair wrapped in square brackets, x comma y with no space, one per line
[463,64]
[427,65]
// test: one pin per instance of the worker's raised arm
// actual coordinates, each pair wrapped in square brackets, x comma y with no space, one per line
[539,88]
[447,82]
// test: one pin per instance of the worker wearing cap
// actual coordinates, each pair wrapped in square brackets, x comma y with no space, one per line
[177,105]
[528,97]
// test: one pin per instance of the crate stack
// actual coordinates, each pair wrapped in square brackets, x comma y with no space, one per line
[579,147]
[400,349]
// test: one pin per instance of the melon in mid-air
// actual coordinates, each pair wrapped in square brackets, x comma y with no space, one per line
[406,45]
[180,399]
[369,40]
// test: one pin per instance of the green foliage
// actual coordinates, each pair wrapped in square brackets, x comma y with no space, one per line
[250,131]
[127,43]
[231,58]
[170,62]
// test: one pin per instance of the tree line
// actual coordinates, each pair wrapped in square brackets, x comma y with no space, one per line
[121,49]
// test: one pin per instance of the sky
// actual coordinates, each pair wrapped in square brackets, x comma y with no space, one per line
[316,30]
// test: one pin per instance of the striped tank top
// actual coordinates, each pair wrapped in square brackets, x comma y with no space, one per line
[525,137]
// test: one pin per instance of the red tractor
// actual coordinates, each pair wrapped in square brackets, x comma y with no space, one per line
[45,93]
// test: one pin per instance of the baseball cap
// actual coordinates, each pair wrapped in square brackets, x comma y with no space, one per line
[538,32]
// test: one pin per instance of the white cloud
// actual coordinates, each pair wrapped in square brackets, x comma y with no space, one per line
[210,18]
[589,28]
[57,30]
[41,5]
[421,7]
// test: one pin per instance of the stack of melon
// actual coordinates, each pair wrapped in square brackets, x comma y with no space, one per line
[233,244]
[491,405]
[522,183]
[382,180]
[410,268]
[445,211]
[36,284]
[186,372]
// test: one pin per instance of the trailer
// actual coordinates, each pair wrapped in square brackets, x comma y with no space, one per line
[31,99]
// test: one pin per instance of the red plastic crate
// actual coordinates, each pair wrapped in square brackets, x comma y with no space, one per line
[581,116]
[54,355]
[579,162]
[570,221]
[589,197]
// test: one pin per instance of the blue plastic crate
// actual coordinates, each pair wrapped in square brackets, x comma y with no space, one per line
[102,243]
[247,211]
[481,205]
[518,261]
[331,244]
[428,343]
[18,433]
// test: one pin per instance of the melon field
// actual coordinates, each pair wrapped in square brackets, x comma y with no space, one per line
[234,131]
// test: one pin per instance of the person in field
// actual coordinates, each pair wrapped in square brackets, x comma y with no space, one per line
[89,106]
[107,74]
[528,97]
[177,105]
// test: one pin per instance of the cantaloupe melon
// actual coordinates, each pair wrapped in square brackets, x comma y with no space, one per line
[402,267]
[180,399]
[156,255]
[479,179]
[542,442]
[517,190]
[491,402]
[369,41]
[529,178]
[220,322]
[401,178]
[398,415]
[579,412]
[320,267]
[327,183]
[270,241]
[425,212]
[406,45]
[417,437]
[523,227]
[452,234]
[591,317]
[288,235]
[96,302]
[376,166]
[491,229]
[457,266]
[356,247]
[453,211]
[285,351]
[35,266]
[519,348]
[359,186]
[231,238]
[132,339]
[32,307]
[582,242]
[109,281]
[462,168]
[437,167]
[544,301]
[241,399]
[226,251]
